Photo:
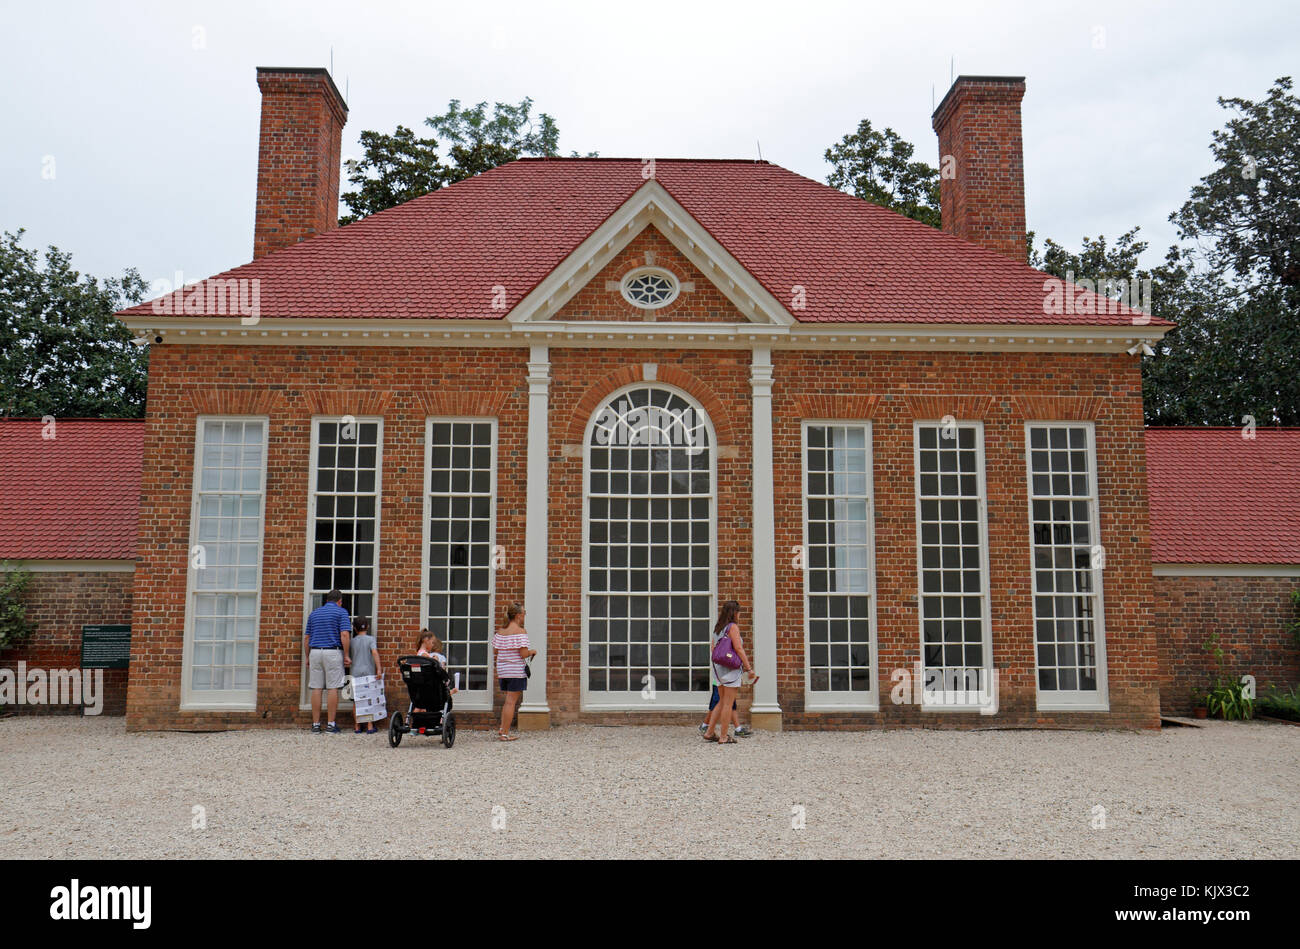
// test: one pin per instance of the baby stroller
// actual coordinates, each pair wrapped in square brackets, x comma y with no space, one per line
[429,687]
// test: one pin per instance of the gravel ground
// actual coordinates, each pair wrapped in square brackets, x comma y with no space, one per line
[84,788]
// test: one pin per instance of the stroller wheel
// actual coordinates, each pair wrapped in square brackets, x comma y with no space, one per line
[395,730]
[448,730]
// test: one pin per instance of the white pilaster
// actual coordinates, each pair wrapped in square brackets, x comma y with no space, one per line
[765,711]
[534,707]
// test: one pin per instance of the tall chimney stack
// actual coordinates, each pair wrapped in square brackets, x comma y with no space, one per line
[298,154]
[982,187]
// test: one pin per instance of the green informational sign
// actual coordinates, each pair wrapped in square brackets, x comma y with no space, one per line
[105,647]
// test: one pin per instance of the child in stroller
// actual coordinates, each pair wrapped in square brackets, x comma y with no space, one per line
[429,712]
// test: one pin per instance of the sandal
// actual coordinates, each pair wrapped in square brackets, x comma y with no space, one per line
[502,736]
[729,741]
[710,737]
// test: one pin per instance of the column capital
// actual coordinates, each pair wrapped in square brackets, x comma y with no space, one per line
[539,370]
[760,371]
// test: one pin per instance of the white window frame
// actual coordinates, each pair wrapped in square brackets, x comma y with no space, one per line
[226,699]
[467,699]
[986,593]
[304,703]
[605,702]
[653,271]
[841,701]
[1075,700]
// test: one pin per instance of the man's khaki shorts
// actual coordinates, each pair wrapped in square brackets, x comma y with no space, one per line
[326,669]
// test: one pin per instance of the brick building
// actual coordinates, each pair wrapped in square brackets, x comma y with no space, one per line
[622,391]
[1225,550]
[68,512]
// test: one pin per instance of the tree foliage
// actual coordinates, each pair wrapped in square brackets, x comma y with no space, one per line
[62,353]
[14,624]
[1235,292]
[877,166]
[398,167]
[1248,208]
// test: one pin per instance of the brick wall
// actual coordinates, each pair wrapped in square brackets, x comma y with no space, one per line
[1250,614]
[290,385]
[404,385]
[1003,390]
[60,604]
[298,156]
[983,200]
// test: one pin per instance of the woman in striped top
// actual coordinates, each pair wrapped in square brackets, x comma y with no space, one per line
[512,647]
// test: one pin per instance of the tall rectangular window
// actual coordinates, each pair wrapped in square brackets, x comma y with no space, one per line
[1067,560]
[460,530]
[344,529]
[225,561]
[839,575]
[956,652]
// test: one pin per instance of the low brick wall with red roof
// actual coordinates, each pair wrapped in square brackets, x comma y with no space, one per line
[60,604]
[1250,614]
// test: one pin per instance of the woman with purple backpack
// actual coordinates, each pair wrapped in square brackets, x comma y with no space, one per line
[729,666]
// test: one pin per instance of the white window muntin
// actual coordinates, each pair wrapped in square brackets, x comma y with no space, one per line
[633,699]
[649,288]
[846,497]
[223,597]
[473,608]
[313,592]
[1077,491]
[970,694]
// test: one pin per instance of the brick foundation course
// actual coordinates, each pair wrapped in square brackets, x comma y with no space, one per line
[60,604]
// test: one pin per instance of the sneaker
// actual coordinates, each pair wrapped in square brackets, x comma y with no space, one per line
[332,729]
[704,727]
[744,731]
[315,728]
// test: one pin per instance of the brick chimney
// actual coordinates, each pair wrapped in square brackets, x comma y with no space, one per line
[982,187]
[298,155]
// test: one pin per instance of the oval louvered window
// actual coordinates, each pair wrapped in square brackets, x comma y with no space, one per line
[649,289]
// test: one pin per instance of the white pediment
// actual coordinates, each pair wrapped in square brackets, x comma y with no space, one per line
[651,206]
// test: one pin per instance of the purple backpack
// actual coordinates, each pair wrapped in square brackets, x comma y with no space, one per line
[723,653]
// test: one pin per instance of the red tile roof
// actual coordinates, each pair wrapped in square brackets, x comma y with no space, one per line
[1217,497]
[440,255]
[72,497]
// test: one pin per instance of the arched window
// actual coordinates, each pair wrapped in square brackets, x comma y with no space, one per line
[648,551]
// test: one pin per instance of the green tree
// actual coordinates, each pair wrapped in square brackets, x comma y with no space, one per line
[1248,208]
[479,142]
[393,170]
[62,352]
[877,167]
[1235,293]
[396,168]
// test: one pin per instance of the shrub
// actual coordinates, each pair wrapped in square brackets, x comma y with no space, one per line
[14,625]
[1280,703]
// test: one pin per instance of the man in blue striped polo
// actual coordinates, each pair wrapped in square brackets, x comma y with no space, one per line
[326,641]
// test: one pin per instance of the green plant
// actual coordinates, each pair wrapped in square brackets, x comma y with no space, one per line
[1280,703]
[14,625]
[1228,701]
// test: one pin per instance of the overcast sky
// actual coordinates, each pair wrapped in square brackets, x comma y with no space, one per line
[147,113]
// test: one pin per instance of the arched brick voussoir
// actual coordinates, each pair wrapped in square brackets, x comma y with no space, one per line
[227,401]
[346,402]
[461,403]
[597,393]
